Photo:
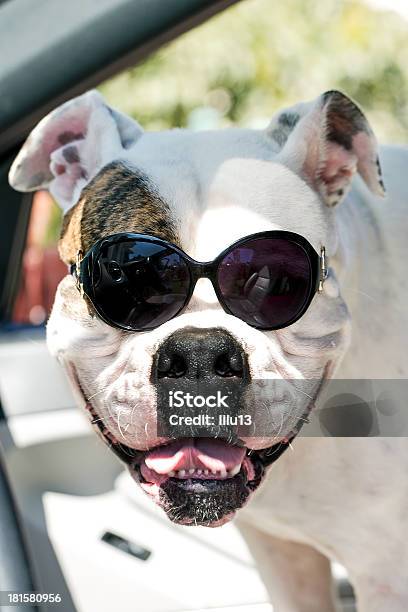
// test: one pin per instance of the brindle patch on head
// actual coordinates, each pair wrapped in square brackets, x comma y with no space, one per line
[118,199]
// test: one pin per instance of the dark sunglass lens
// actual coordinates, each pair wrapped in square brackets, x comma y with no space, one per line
[265,281]
[138,284]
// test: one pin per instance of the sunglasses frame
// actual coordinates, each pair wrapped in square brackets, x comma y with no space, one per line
[83,267]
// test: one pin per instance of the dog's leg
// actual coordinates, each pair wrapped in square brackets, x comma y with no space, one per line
[298,578]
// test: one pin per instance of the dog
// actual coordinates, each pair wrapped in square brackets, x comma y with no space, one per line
[313,172]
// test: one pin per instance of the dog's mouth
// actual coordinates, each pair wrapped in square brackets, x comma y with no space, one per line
[199,481]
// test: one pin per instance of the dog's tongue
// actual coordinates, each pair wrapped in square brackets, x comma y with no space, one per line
[197,453]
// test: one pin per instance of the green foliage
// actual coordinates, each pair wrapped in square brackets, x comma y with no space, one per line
[261,55]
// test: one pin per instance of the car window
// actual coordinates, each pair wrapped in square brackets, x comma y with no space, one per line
[41,268]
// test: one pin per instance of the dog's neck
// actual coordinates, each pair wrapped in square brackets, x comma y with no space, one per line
[360,239]
[362,265]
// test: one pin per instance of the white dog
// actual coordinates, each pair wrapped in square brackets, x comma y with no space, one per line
[331,498]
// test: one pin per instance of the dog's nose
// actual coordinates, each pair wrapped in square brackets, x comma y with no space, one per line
[201,354]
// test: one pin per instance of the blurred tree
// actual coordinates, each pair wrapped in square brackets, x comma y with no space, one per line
[261,55]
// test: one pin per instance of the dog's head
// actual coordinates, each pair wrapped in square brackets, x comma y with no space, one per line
[200,191]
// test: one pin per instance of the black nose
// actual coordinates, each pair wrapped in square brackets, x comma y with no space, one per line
[201,354]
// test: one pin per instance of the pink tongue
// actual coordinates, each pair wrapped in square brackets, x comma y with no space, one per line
[197,453]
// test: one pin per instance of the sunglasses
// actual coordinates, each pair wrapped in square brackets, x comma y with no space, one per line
[137,282]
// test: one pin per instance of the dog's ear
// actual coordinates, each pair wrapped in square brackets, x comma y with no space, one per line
[326,142]
[70,145]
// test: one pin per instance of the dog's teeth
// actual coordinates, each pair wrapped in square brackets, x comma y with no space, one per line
[222,474]
[235,470]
